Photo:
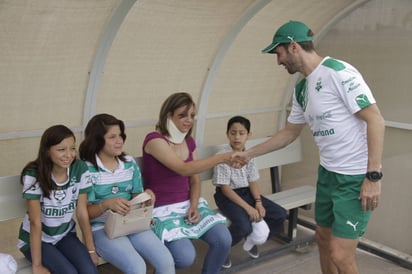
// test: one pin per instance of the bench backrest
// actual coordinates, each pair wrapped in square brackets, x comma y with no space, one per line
[287,155]
[12,205]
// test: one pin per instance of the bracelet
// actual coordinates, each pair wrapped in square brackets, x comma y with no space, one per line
[92,251]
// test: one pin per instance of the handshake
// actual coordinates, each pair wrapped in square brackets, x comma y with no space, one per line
[238,159]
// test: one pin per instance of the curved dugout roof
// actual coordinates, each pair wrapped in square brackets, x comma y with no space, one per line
[64,61]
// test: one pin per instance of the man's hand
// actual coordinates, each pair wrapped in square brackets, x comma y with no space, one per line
[370,194]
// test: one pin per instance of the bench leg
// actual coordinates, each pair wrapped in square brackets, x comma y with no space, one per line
[275,179]
[293,223]
[292,229]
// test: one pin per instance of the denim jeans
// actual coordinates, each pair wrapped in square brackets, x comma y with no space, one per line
[68,256]
[127,253]
[241,226]
[219,240]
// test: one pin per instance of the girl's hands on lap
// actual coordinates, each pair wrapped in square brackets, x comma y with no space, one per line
[95,258]
[40,269]
[119,205]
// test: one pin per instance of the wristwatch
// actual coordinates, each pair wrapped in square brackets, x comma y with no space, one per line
[374,176]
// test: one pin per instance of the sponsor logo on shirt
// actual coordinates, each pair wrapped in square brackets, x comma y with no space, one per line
[325,132]
[324,116]
[362,100]
[59,211]
[352,84]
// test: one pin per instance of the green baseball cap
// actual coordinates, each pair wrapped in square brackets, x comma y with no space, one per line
[289,32]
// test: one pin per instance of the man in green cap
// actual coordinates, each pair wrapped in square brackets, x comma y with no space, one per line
[348,128]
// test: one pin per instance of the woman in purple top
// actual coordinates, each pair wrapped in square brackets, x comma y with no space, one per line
[170,169]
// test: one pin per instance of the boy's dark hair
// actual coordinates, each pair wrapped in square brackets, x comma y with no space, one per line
[238,119]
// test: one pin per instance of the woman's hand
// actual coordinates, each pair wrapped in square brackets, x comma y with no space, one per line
[193,215]
[239,159]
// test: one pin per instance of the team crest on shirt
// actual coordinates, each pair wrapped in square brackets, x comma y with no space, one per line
[303,98]
[318,85]
[73,181]
[59,194]
[94,179]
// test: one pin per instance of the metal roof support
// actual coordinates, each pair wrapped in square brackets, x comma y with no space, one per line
[220,55]
[97,69]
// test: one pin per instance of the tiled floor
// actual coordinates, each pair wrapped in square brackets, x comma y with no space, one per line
[302,261]
[306,261]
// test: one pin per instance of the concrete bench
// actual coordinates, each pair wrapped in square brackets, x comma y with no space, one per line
[12,205]
[292,200]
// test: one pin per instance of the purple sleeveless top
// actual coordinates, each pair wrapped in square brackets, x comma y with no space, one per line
[168,186]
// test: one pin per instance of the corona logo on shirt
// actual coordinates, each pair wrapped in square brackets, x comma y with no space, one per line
[325,132]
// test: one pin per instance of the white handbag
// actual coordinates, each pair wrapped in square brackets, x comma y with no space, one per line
[138,219]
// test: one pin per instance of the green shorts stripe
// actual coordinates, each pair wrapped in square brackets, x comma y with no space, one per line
[338,206]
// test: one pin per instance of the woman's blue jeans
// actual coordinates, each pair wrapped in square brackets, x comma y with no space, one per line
[127,253]
[219,240]
[68,256]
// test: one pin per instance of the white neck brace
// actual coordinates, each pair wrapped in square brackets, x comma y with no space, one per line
[176,136]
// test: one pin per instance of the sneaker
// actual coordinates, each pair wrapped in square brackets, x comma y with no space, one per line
[227,263]
[254,252]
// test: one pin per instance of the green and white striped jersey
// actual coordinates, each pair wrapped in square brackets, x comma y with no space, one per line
[125,181]
[58,210]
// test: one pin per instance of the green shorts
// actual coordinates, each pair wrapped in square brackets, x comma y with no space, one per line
[338,206]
